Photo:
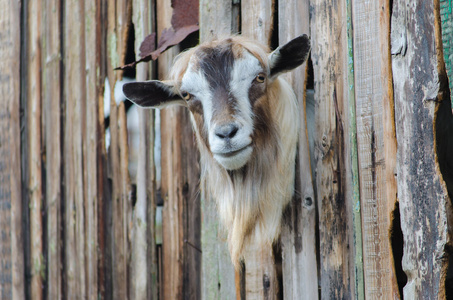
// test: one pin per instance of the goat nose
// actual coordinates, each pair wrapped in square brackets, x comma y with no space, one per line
[227,131]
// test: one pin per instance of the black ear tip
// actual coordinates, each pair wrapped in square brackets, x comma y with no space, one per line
[303,37]
[128,89]
[303,40]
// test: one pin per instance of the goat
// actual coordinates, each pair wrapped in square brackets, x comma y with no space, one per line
[246,121]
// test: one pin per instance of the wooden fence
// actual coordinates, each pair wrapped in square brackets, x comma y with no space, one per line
[371,218]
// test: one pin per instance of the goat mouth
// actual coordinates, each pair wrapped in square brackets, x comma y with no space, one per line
[232,153]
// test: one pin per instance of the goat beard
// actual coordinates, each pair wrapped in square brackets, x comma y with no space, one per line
[250,200]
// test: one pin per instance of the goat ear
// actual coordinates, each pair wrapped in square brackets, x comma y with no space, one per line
[290,55]
[152,94]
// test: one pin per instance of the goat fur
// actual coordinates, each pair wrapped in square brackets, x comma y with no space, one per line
[250,201]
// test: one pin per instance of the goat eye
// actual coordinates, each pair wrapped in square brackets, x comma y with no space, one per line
[260,78]
[186,96]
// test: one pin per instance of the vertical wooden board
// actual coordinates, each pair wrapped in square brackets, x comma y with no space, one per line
[376,149]
[172,243]
[124,211]
[218,277]
[52,114]
[353,179]
[12,282]
[144,275]
[151,191]
[215,19]
[103,190]
[191,221]
[424,205]
[180,178]
[74,87]
[300,272]
[91,140]
[329,62]
[257,19]
[119,14]
[34,111]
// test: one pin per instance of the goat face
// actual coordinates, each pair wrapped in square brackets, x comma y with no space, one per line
[224,85]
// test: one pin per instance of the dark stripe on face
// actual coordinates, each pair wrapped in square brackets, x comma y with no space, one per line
[217,64]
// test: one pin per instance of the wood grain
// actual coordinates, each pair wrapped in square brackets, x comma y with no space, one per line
[12,268]
[300,272]
[74,107]
[143,244]
[424,205]
[180,178]
[119,13]
[353,179]
[91,137]
[376,144]
[52,113]
[329,55]
[34,111]
[257,19]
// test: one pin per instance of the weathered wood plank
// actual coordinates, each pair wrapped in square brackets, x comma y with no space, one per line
[91,137]
[52,113]
[172,243]
[180,178]
[144,275]
[300,272]
[103,196]
[257,19]
[119,14]
[124,208]
[34,111]
[74,87]
[376,144]
[12,282]
[424,205]
[218,277]
[215,19]
[353,179]
[329,55]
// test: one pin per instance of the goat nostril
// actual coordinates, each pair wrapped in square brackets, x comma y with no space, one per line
[226,131]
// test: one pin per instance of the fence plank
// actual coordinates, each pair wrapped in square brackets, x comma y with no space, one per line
[34,110]
[257,19]
[424,204]
[12,282]
[218,277]
[91,136]
[74,83]
[353,179]
[119,14]
[334,206]
[144,275]
[172,252]
[52,114]
[376,143]
[300,272]
[181,210]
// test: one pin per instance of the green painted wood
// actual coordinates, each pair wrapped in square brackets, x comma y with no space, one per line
[446,16]
[356,211]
